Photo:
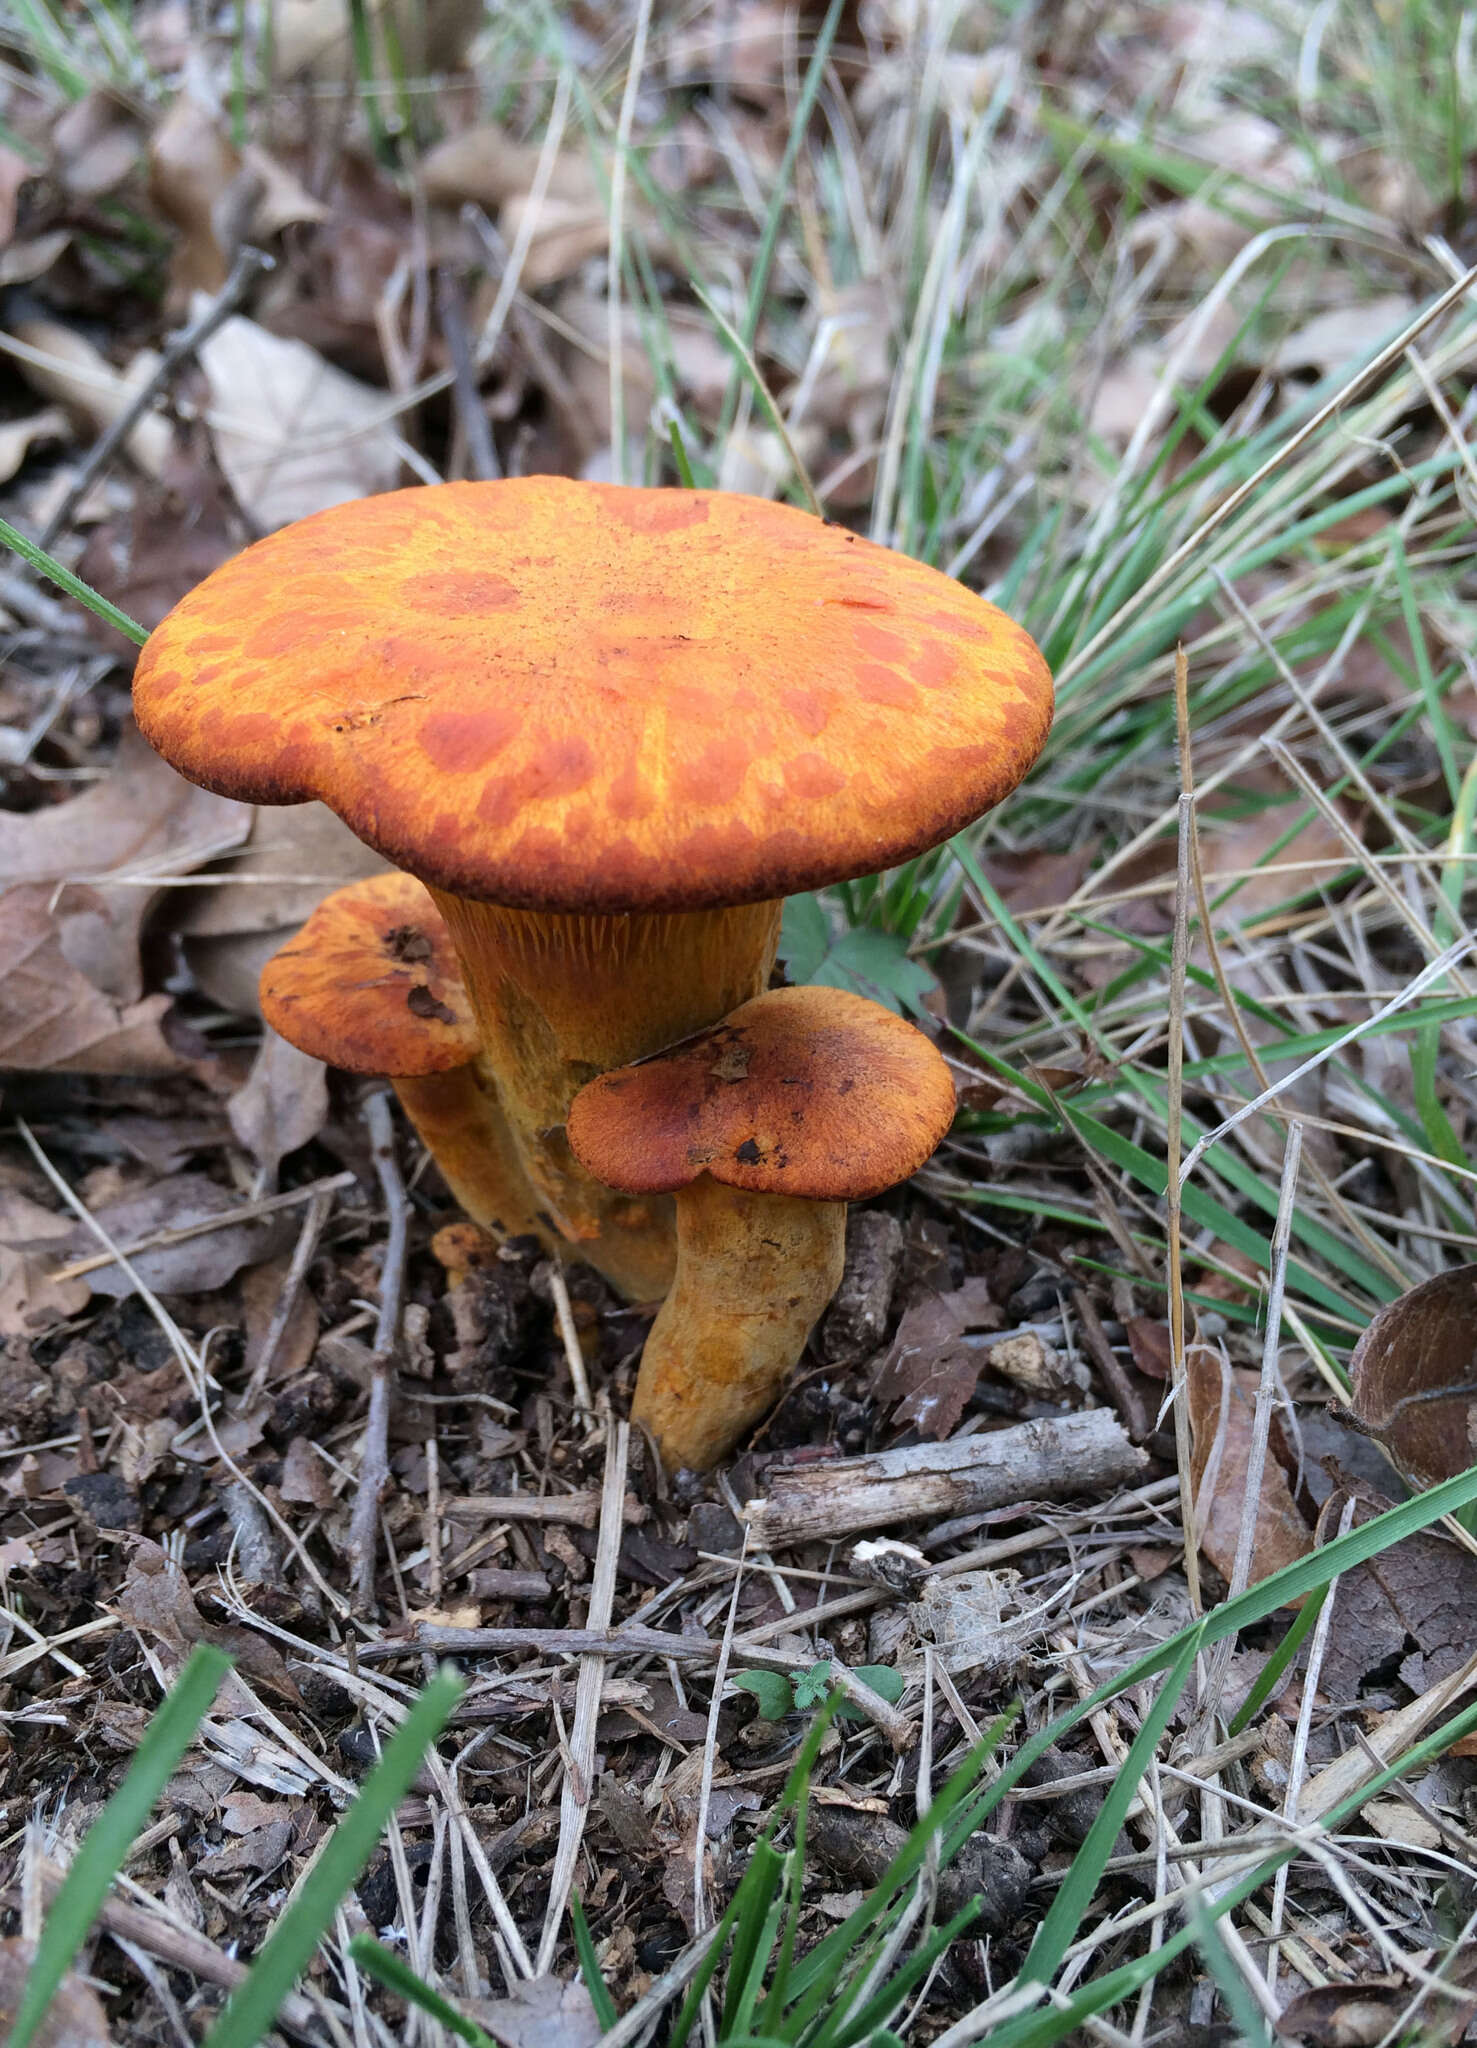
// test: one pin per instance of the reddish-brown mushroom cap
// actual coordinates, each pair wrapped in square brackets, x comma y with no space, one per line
[565,696]
[811,1092]
[371,984]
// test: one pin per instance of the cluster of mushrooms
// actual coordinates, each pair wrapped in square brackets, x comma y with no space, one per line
[601,732]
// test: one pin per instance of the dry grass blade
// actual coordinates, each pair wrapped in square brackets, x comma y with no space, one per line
[574,1801]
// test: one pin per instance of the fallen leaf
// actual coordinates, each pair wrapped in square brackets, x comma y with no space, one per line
[97,142]
[141,819]
[1234,849]
[193,166]
[1367,2010]
[261,1849]
[301,435]
[1340,336]
[156,1600]
[310,38]
[743,47]
[969,1618]
[1148,1340]
[929,1370]
[81,378]
[32,256]
[485,164]
[543,2012]
[563,234]
[51,1016]
[15,171]
[305,1477]
[30,1300]
[194,1266]
[292,856]
[261,1292]
[75,2016]
[1414,1376]
[1032,882]
[1412,1605]
[16,437]
[217,195]
[1025,1359]
[282,1104]
[1221,1403]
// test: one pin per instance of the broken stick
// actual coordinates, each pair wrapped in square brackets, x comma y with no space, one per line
[1054,1458]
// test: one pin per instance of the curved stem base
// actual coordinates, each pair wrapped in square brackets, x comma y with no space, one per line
[754,1274]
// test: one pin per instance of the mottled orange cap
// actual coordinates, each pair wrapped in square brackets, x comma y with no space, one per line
[813,1092]
[371,984]
[573,696]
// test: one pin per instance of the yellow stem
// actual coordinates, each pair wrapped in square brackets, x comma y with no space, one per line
[457,1118]
[754,1275]
[559,999]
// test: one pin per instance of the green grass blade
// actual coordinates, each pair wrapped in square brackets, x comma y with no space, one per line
[595,1984]
[1043,2030]
[814,1977]
[1250,2021]
[796,1788]
[888,1996]
[1058,1930]
[106,1846]
[746,1965]
[1271,1672]
[48,566]
[396,1975]
[252,2006]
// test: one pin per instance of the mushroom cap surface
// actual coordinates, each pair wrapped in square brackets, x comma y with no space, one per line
[371,984]
[813,1092]
[566,696]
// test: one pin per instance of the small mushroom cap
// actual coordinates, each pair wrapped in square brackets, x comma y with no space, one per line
[371,984]
[813,1092]
[569,696]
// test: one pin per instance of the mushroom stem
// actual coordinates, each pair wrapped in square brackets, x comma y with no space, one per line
[754,1274]
[457,1117]
[559,999]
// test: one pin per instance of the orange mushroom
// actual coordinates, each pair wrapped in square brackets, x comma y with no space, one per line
[610,728]
[763,1128]
[371,984]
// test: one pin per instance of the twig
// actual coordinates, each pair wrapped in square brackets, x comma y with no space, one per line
[374,1463]
[569,1337]
[1126,1397]
[481,453]
[269,1205]
[248,266]
[1179,960]
[634,1640]
[1053,1457]
[580,1510]
[292,1287]
[1269,1385]
[181,1948]
[574,1801]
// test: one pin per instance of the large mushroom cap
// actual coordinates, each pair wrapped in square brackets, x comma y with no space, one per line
[371,984]
[568,696]
[813,1092]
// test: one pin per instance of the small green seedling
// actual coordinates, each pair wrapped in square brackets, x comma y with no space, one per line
[779,1693]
